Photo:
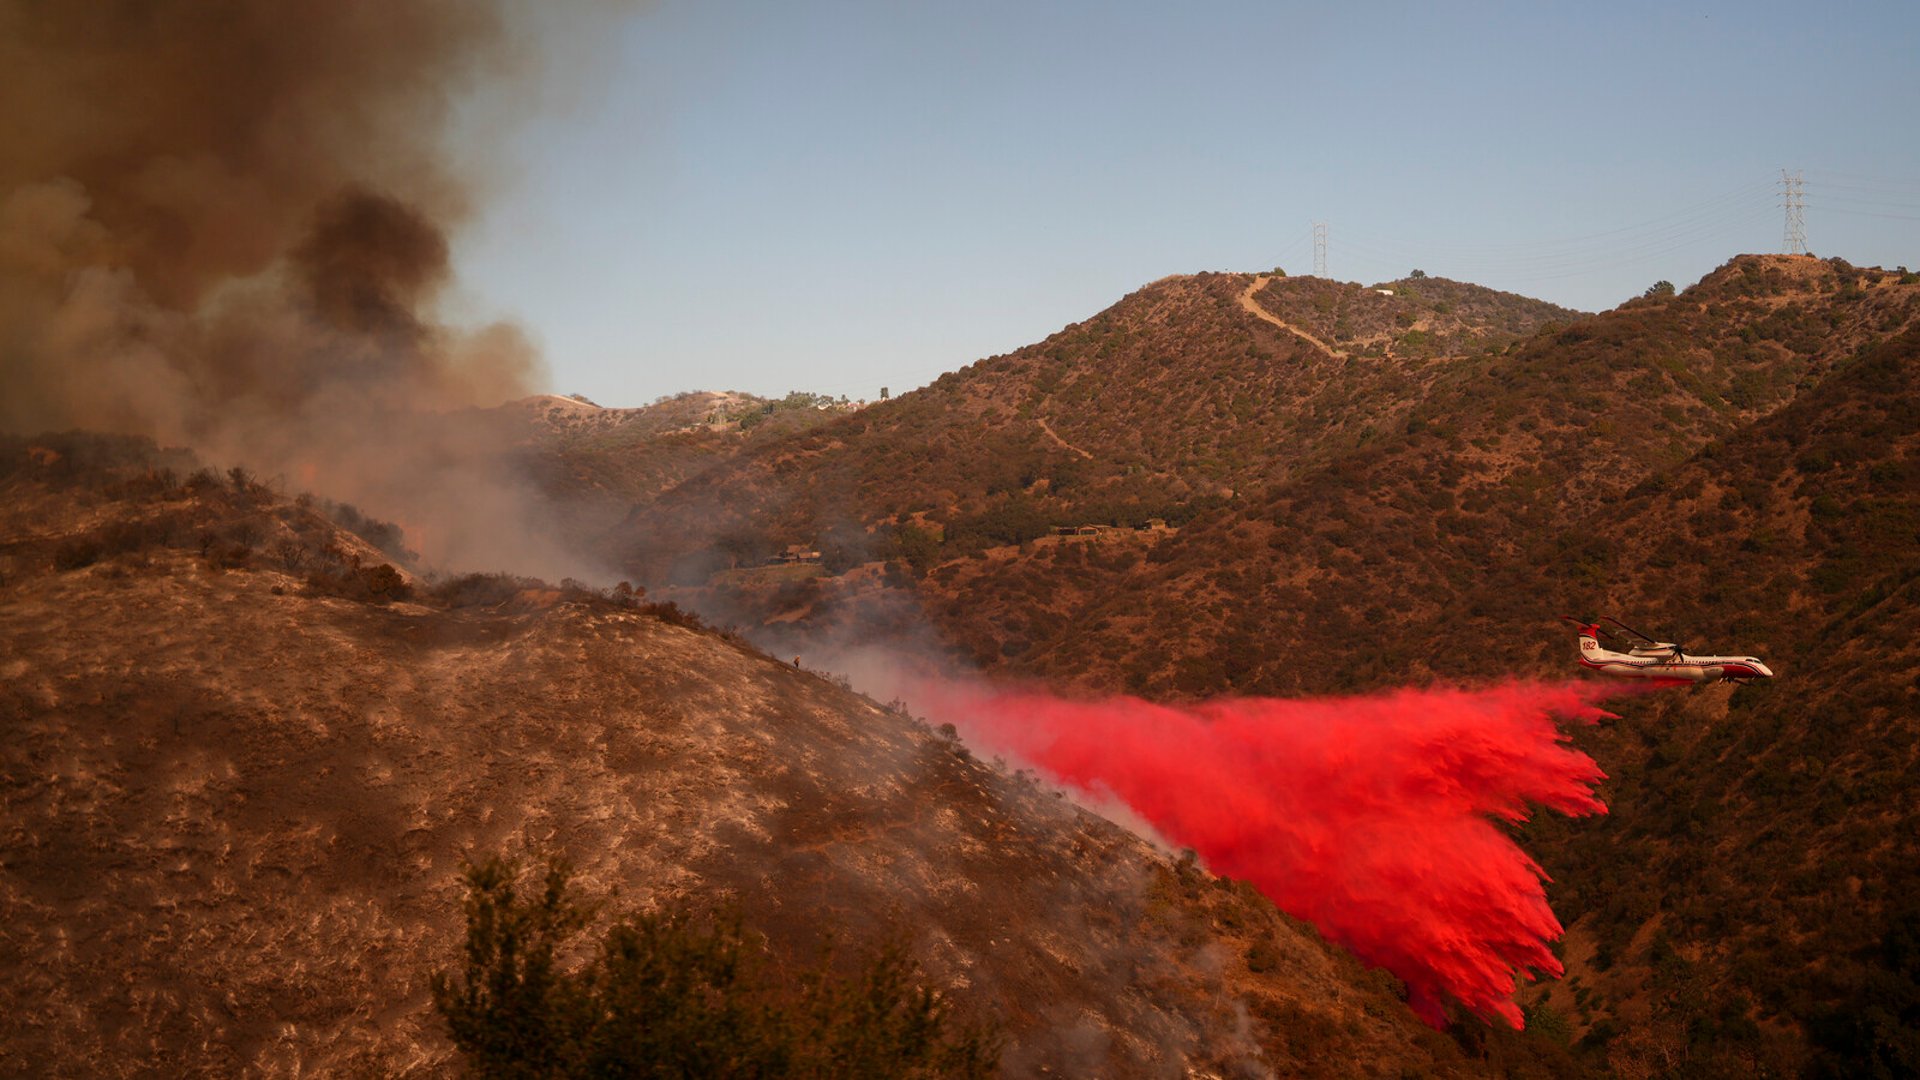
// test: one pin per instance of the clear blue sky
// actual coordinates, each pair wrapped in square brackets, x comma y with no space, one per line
[839,196]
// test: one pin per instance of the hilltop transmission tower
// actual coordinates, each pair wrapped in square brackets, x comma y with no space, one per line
[1793,198]
[1319,249]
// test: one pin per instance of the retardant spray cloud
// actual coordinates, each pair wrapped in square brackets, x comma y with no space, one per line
[1376,818]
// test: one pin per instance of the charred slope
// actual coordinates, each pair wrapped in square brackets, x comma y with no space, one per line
[238,800]
[1162,405]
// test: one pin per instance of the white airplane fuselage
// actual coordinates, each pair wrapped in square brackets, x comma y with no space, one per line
[1664,662]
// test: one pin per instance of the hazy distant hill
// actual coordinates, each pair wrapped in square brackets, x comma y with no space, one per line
[577,468]
[244,758]
[596,462]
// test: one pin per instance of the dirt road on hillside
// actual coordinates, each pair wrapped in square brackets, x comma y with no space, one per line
[1253,308]
[1055,436]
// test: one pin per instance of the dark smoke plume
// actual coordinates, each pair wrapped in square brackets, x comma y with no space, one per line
[223,225]
[367,266]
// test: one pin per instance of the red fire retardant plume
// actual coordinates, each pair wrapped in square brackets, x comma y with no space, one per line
[1372,817]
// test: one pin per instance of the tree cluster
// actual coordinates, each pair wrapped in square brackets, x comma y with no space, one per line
[673,993]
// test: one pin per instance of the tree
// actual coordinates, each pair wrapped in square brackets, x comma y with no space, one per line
[1659,288]
[672,993]
[511,1012]
[1417,275]
[918,546]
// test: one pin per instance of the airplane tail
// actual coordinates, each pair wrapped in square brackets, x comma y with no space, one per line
[1587,634]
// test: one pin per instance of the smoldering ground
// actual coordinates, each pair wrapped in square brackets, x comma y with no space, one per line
[225,225]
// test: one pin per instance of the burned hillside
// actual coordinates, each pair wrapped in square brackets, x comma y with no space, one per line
[239,804]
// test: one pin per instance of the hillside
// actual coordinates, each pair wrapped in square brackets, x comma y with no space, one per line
[1410,481]
[1166,404]
[1744,906]
[1442,529]
[246,759]
[1730,464]
[1411,317]
[1759,868]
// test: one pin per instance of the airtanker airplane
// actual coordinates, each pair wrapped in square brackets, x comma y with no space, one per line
[1662,661]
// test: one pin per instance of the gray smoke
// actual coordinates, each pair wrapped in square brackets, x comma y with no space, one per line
[223,224]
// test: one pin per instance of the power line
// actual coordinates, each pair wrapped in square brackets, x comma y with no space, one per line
[1735,211]
[1320,249]
[1633,245]
[1855,195]
[1293,252]
[1734,203]
[1870,213]
[1832,178]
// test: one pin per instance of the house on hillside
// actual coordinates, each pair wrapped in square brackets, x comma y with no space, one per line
[795,553]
